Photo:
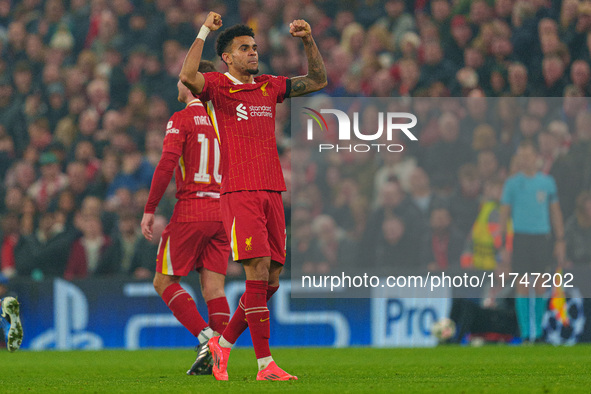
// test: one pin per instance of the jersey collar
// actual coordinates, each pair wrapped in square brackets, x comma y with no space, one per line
[233,79]
[194,102]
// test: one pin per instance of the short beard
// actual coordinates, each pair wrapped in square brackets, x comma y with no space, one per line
[253,72]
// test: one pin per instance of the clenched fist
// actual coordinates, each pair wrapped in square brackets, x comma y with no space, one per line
[213,21]
[300,28]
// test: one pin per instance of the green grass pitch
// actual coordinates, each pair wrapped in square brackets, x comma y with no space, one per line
[488,369]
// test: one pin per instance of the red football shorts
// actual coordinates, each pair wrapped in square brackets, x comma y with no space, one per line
[255,224]
[185,247]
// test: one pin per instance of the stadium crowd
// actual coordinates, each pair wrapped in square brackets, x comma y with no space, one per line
[86,89]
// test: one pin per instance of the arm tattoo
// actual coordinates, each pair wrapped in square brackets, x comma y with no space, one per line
[316,77]
[299,86]
[316,70]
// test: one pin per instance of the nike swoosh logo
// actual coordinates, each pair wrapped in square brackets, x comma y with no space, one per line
[235,90]
[264,320]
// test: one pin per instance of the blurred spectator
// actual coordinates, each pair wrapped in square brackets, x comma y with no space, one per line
[488,166]
[484,244]
[420,192]
[153,146]
[572,170]
[554,81]
[409,77]
[57,108]
[95,206]
[435,68]
[138,32]
[393,203]
[9,239]
[348,207]
[77,181]
[136,173]
[465,202]
[13,200]
[529,127]
[85,154]
[86,252]
[157,81]
[304,254]
[109,168]
[518,80]
[119,254]
[461,34]
[443,160]
[51,182]
[396,20]
[577,232]
[22,77]
[549,147]
[442,244]
[10,115]
[333,250]
[478,114]
[44,253]
[393,254]
[580,76]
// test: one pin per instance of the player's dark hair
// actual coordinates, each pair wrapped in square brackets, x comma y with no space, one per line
[225,39]
[205,66]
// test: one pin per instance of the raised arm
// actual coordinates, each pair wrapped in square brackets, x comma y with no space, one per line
[190,75]
[316,77]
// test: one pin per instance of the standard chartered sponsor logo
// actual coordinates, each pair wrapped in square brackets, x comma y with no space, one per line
[261,110]
[244,112]
[241,112]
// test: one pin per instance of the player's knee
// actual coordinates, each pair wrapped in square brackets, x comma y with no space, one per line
[212,292]
[161,282]
[261,270]
[158,285]
[257,269]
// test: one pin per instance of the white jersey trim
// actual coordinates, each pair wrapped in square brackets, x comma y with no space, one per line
[233,79]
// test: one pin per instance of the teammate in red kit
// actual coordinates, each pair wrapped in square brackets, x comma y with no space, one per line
[195,238]
[243,110]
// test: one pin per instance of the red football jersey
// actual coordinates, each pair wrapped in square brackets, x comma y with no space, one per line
[244,116]
[189,133]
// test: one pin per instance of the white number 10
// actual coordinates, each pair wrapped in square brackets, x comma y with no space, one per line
[202,176]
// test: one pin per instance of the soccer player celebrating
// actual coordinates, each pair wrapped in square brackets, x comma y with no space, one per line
[242,107]
[11,323]
[195,238]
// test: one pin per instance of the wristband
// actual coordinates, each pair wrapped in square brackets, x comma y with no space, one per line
[203,32]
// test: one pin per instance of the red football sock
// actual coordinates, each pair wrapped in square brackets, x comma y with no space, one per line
[238,324]
[219,314]
[183,307]
[257,316]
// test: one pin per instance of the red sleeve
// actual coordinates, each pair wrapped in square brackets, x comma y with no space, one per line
[282,84]
[161,179]
[206,92]
[175,137]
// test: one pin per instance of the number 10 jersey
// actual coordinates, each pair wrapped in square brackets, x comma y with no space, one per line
[190,134]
